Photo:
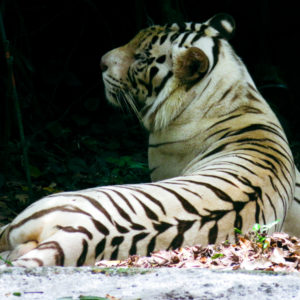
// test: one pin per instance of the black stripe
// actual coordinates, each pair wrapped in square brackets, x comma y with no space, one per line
[185,36]
[39,262]
[219,193]
[177,183]
[132,79]
[251,140]
[241,166]
[148,196]
[135,226]
[216,51]
[116,241]
[100,227]
[274,158]
[297,200]
[203,90]
[82,257]
[150,214]
[225,94]
[194,193]
[120,210]
[174,36]
[153,71]
[161,59]
[94,202]
[151,246]
[135,239]
[185,204]
[199,34]
[161,227]
[213,234]
[121,229]
[41,213]
[257,212]
[252,87]
[100,247]
[223,121]
[163,144]
[220,178]
[276,125]
[216,133]
[59,256]
[123,197]
[252,97]
[251,110]
[272,205]
[266,168]
[182,227]
[71,229]
[163,39]
[214,151]
[154,39]
[255,127]
[163,83]
[238,222]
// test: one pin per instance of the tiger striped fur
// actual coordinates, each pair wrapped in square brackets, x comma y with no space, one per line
[218,157]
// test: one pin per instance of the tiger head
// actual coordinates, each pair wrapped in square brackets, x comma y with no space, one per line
[160,63]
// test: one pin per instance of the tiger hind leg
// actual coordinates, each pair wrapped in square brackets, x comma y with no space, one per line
[21,250]
[57,250]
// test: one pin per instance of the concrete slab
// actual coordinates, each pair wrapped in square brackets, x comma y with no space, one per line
[167,283]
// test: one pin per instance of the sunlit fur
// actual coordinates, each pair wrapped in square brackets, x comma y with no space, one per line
[218,158]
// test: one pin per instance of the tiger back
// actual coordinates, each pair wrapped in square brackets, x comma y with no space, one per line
[219,158]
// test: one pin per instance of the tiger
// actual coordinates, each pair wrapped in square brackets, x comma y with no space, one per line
[218,157]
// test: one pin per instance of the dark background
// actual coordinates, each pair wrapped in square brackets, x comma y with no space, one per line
[74,139]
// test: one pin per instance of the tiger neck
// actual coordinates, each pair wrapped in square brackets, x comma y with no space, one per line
[172,148]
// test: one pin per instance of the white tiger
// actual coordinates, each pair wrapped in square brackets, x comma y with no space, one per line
[218,157]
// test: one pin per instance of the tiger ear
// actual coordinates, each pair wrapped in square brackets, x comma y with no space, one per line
[191,66]
[224,24]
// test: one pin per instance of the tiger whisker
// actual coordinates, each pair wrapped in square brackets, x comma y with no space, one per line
[129,100]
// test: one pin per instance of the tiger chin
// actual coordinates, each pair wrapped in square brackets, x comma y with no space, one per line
[218,157]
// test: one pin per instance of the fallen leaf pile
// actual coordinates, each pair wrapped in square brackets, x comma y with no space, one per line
[279,252]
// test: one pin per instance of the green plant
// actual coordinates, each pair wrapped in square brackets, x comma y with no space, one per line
[258,233]
[217,255]
[5,261]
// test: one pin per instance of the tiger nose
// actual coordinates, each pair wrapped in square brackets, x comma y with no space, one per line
[103,63]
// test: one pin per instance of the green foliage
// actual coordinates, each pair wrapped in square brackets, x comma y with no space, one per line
[18,294]
[238,231]
[96,155]
[259,233]
[217,255]
[6,261]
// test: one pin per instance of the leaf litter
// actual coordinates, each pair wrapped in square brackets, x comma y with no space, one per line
[278,252]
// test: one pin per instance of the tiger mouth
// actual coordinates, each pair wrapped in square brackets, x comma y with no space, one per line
[117,93]
[113,90]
